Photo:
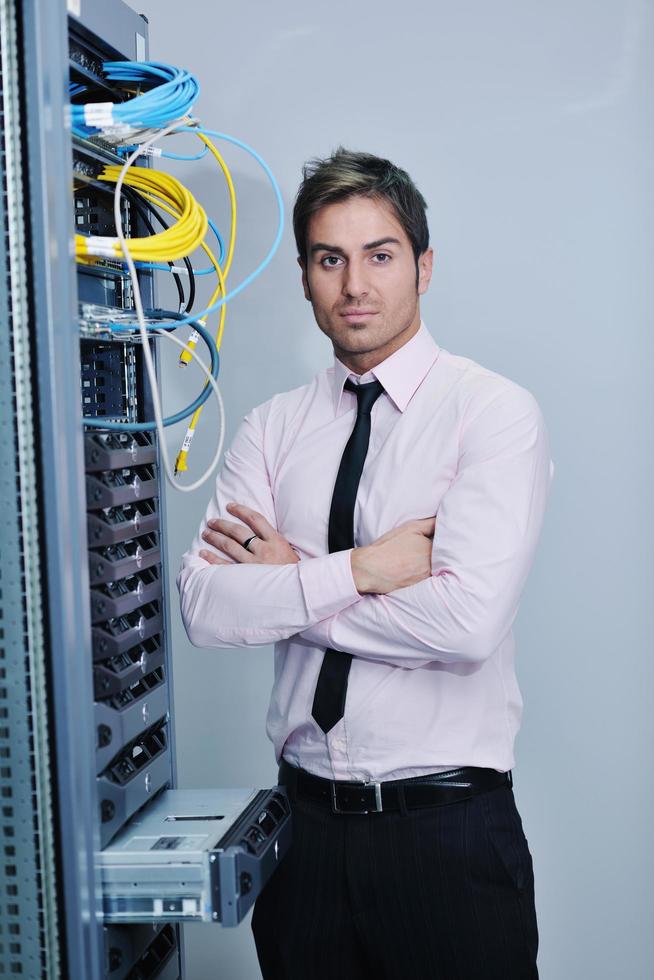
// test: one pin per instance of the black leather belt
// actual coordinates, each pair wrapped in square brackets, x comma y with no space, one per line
[434,789]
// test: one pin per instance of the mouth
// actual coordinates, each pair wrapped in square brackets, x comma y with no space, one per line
[356,316]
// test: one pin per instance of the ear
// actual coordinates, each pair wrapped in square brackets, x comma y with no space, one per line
[305,281]
[425,266]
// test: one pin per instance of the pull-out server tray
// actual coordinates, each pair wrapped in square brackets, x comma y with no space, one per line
[117,450]
[133,948]
[124,632]
[110,488]
[115,524]
[113,599]
[123,718]
[119,673]
[116,561]
[195,855]
[129,783]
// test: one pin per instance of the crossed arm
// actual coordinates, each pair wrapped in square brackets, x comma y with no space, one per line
[467,581]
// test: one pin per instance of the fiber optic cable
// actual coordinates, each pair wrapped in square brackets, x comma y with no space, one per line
[228,263]
[174,212]
[147,194]
[175,242]
[182,456]
[210,388]
[144,214]
[171,98]
[155,151]
[147,353]
[100,423]
[170,195]
[181,460]
[209,271]
[280,227]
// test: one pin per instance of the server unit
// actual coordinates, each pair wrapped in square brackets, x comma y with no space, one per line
[101,855]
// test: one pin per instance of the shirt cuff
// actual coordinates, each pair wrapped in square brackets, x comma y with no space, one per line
[328,584]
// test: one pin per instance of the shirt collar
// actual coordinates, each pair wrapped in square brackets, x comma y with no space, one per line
[401,373]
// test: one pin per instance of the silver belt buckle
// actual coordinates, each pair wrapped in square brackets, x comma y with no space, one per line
[378,800]
[378,797]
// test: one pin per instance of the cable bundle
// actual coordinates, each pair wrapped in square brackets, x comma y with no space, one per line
[161,111]
[163,190]
[172,96]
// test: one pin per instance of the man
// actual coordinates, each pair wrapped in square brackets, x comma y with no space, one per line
[378,525]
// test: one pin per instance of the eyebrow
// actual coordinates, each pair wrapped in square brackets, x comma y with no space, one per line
[324,247]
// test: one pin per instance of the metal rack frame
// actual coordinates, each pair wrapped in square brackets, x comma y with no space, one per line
[47,629]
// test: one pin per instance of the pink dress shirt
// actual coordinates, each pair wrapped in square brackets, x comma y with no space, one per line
[432,684]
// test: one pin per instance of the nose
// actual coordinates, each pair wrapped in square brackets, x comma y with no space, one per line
[355,283]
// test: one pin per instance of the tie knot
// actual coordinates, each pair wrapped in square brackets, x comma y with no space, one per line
[367,394]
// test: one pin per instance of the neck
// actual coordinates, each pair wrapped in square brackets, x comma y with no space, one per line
[367,360]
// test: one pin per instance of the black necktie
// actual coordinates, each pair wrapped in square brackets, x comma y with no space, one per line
[331,689]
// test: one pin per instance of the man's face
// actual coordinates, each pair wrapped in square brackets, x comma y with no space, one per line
[361,279]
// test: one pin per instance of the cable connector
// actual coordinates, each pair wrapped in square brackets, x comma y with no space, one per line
[103,246]
[180,462]
[185,357]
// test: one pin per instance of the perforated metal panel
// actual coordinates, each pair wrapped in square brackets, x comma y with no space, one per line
[28,919]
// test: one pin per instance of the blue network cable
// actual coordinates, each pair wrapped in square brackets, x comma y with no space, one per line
[167,156]
[174,92]
[221,245]
[181,156]
[273,248]
[99,423]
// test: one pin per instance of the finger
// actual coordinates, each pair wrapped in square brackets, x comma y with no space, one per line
[239,532]
[426,526]
[213,559]
[261,527]
[227,545]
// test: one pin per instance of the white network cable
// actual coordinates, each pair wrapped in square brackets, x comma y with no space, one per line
[221,409]
[147,353]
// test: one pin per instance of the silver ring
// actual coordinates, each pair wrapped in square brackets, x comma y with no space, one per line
[246,543]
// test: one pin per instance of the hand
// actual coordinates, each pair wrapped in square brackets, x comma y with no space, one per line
[399,558]
[268,548]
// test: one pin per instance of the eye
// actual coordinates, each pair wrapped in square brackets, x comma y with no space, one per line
[383,257]
[330,261]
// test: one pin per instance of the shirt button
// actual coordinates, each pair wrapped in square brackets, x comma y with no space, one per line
[338,743]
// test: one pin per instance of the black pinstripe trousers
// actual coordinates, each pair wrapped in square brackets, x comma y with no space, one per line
[438,893]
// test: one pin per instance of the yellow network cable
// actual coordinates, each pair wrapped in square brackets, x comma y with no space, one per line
[175,242]
[180,240]
[185,357]
[181,461]
[232,200]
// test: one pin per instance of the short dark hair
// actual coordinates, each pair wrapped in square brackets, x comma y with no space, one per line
[347,173]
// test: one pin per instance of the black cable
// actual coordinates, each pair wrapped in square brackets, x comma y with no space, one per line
[185,260]
[144,212]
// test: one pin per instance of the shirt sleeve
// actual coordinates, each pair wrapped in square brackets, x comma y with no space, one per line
[487,528]
[251,604]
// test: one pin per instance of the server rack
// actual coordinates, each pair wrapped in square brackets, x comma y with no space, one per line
[107,745]
[86,726]
[47,808]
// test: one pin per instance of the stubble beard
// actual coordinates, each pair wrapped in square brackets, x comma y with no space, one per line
[355,339]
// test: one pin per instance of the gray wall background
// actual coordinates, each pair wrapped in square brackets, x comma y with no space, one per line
[528,128]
